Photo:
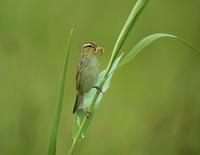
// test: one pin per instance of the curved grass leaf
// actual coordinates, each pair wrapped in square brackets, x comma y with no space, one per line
[147,41]
[56,117]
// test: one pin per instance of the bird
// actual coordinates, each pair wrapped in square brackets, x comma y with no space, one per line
[87,74]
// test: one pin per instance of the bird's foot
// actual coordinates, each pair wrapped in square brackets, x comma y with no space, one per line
[87,113]
[98,89]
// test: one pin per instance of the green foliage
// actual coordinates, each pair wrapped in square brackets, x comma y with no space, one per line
[153,106]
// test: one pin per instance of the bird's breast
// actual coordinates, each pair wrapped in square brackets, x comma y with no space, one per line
[90,74]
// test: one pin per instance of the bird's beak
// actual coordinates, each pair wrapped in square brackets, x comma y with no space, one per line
[99,50]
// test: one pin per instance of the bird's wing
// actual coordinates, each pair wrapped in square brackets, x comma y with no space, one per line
[80,68]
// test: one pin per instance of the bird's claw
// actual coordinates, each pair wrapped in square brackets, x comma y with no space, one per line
[87,113]
[98,89]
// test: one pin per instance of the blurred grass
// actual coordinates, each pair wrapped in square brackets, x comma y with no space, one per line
[52,144]
[159,111]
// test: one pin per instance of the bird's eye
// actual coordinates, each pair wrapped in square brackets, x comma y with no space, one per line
[86,48]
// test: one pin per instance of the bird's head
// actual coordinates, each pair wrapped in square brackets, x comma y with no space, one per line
[92,48]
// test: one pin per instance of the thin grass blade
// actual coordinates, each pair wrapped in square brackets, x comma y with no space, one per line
[128,26]
[56,117]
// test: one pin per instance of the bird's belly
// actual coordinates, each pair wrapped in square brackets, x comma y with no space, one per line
[88,78]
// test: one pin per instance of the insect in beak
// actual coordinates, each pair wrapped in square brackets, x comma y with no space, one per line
[99,50]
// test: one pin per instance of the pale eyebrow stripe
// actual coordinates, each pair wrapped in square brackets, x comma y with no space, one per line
[90,44]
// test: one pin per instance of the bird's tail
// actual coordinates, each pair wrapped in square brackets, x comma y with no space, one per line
[78,101]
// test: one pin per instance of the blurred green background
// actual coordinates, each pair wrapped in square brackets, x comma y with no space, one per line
[153,104]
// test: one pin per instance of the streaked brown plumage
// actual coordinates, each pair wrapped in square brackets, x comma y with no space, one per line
[87,72]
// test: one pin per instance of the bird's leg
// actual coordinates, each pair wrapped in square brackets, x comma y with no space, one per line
[98,89]
[87,113]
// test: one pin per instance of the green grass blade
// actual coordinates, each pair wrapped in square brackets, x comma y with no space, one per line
[188,44]
[128,26]
[147,41]
[56,117]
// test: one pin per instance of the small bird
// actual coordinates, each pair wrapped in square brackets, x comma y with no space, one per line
[87,73]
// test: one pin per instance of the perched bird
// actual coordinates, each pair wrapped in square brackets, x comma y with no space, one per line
[87,73]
